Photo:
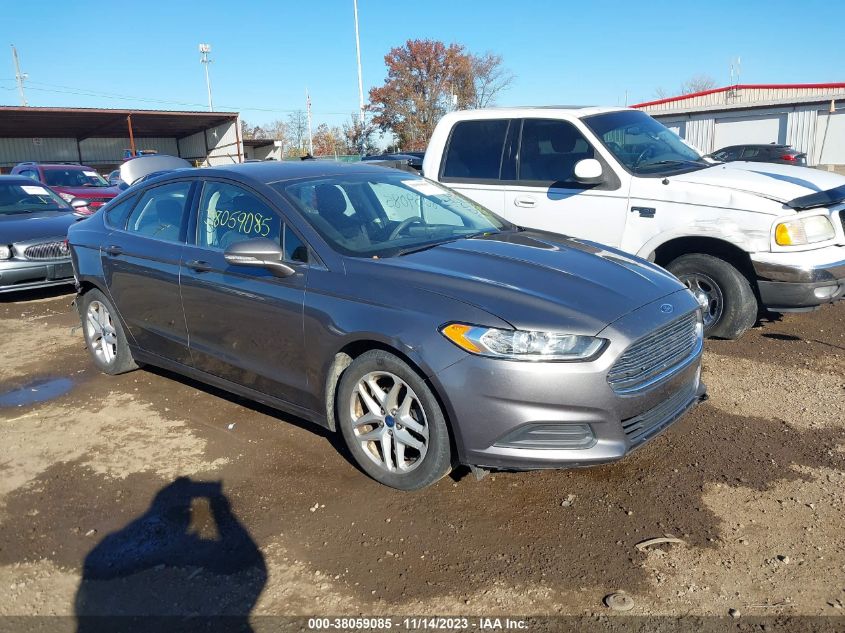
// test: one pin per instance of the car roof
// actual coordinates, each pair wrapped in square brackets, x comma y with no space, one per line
[13,178]
[268,172]
[767,145]
[575,111]
[53,166]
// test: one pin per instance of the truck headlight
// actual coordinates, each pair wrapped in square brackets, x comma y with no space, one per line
[67,197]
[5,252]
[800,231]
[523,345]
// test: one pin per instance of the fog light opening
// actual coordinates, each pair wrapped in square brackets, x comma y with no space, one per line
[825,292]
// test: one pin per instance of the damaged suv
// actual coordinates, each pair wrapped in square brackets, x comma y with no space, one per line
[743,236]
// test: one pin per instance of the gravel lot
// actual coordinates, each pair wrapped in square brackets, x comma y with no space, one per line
[108,500]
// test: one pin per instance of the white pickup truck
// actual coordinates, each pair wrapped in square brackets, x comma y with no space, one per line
[744,237]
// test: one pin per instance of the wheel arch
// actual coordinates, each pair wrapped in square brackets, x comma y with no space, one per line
[352,350]
[670,250]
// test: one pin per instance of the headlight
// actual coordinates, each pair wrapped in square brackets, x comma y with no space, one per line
[67,197]
[5,252]
[523,345]
[816,228]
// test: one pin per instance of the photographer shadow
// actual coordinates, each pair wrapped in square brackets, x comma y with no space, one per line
[186,564]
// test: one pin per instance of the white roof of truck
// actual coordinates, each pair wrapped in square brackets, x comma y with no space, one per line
[551,111]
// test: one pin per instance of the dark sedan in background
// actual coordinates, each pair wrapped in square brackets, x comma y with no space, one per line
[761,153]
[33,230]
[421,326]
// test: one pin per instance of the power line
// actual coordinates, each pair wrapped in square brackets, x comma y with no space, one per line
[74,90]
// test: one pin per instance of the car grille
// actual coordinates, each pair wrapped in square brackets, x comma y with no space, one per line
[657,355]
[646,425]
[47,250]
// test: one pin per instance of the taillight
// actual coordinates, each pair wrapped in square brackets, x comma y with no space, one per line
[789,157]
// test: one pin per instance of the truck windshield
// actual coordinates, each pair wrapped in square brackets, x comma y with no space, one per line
[642,145]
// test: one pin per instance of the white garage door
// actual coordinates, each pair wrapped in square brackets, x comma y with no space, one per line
[768,128]
[830,139]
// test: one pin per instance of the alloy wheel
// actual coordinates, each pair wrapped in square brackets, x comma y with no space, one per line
[389,422]
[102,334]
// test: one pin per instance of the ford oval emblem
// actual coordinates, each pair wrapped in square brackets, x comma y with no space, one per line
[666,308]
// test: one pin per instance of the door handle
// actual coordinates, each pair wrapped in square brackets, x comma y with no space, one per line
[198,266]
[524,201]
[114,251]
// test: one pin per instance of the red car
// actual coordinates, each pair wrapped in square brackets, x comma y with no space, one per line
[71,181]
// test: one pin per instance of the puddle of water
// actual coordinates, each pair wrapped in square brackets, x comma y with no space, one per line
[36,391]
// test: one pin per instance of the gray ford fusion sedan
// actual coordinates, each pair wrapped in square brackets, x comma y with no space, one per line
[425,329]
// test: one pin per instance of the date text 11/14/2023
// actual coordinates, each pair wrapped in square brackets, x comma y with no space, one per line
[421,623]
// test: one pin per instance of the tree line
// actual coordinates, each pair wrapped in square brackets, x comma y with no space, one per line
[425,80]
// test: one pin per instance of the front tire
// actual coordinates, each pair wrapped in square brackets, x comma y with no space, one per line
[104,335]
[392,422]
[724,293]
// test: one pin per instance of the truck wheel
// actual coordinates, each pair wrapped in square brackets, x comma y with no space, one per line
[104,334]
[729,304]
[392,423]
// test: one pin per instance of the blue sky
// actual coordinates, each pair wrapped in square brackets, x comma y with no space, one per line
[267,52]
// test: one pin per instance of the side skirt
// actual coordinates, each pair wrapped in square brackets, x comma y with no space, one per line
[226,385]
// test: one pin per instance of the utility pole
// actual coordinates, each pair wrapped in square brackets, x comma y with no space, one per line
[19,76]
[308,110]
[205,49]
[360,80]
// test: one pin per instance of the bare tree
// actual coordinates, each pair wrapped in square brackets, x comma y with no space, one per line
[358,136]
[489,78]
[297,129]
[697,83]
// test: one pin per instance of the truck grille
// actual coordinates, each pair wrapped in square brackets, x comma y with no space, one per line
[646,425]
[657,355]
[47,250]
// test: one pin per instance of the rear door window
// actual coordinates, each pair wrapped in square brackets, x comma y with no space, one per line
[160,212]
[549,150]
[475,150]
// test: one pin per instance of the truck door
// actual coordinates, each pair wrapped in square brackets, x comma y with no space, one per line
[545,194]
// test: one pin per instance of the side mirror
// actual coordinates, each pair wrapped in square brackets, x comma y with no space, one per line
[259,252]
[588,171]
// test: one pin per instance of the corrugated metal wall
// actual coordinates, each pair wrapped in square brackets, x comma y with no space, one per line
[222,142]
[18,150]
[110,150]
[798,126]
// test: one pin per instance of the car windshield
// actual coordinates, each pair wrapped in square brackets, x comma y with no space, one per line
[24,198]
[74,178]
[643,145]
[367,215]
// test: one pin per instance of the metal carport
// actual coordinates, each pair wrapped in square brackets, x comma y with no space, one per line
[98,136]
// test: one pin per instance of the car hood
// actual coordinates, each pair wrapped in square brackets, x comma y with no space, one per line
[24,227]
[538,281]
[780,183]
[88,192]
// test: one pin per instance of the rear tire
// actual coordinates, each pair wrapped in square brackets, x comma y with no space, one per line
[104,335]
[725,294]
[392,422]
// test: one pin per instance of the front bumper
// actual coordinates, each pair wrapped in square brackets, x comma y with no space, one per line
[18,275]
[495,404]
[800,281]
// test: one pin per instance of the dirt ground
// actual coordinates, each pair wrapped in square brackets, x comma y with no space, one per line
[148,492]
